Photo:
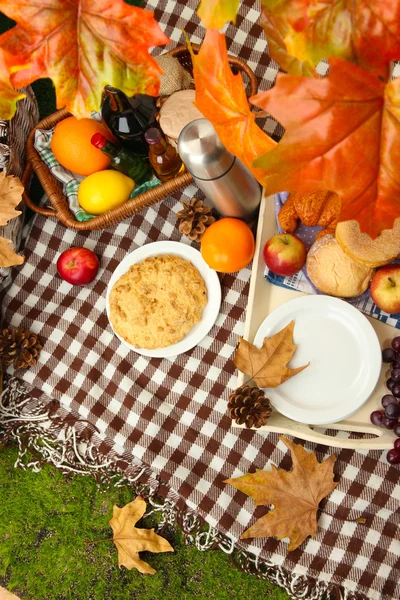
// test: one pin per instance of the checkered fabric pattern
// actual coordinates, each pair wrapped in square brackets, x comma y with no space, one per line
[172,413]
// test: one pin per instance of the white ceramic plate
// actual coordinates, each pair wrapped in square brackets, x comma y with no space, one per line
[344,354]
[210,312]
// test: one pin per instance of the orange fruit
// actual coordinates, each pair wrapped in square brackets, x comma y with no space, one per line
[72,148]
[227,245]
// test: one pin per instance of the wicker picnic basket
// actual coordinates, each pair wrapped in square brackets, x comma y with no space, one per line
[53,188]
[17,130]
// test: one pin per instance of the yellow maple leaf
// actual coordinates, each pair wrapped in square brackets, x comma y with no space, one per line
[130,541]
[295,495]
[215,13]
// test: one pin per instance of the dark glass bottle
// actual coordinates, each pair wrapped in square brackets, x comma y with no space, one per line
[163,157]
[122,159]
[128,119]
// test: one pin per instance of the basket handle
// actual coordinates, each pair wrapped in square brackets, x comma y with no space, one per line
[26,177]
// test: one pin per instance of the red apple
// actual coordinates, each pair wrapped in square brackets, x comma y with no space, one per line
[78,266]
[285,254]
[385,289]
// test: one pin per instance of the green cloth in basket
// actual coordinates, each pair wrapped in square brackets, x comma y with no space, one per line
[70,180]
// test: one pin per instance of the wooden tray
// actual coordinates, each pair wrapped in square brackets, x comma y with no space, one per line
[263,299]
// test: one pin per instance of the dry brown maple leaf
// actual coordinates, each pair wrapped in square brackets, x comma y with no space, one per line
[8,258]
[267,365]
[130,541]
[295,495]
[10,196]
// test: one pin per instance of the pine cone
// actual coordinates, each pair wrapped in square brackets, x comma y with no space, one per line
[19,347]
[250,406]
[194,219]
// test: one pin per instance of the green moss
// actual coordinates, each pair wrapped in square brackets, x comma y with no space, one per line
[45,520]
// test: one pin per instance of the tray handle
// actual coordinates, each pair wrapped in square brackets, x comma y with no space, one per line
[283,426]
[26,178]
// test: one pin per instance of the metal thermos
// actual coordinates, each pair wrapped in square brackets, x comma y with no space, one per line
[224,179]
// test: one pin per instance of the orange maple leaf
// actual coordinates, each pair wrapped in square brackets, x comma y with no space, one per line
[277,31]
[82,45]
[366,32]
[342,134]
[221,98]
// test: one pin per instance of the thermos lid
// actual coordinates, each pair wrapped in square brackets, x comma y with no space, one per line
[202,151]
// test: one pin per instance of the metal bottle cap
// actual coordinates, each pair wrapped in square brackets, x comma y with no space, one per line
[202,151]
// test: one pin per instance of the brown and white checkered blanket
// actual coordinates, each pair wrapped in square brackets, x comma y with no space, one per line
[172,414]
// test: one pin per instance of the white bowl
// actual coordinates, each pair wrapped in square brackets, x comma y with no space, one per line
[210,311]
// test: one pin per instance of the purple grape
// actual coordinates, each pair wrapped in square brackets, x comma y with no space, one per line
[396,444]
[393,456]
[388,423]
[395,375]
[392,411]
[396,343]
[396,430]
[376,417]
[396,364]
[396,390]
[388,355]
[390,383]
[388,399]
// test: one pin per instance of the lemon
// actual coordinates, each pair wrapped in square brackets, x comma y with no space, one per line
[102,191]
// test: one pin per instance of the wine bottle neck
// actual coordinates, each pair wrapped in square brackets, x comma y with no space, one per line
[110,148]
[160,147]
[117,99]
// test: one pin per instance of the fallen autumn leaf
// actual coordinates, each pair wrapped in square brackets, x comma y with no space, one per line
[267,365]
[295,495]
[130,541]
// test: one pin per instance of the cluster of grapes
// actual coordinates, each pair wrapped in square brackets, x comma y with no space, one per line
[389,417]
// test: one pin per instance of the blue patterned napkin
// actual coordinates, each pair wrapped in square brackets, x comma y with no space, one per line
[301,282]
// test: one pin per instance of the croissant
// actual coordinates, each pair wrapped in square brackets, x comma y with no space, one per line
[319,208]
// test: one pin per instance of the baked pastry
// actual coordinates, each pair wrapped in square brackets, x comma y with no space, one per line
[157,302]
[334,272]
[176,112]
[360,246]
[319,208]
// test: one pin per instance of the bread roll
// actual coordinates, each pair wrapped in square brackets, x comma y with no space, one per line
[335,273]
[178,111]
